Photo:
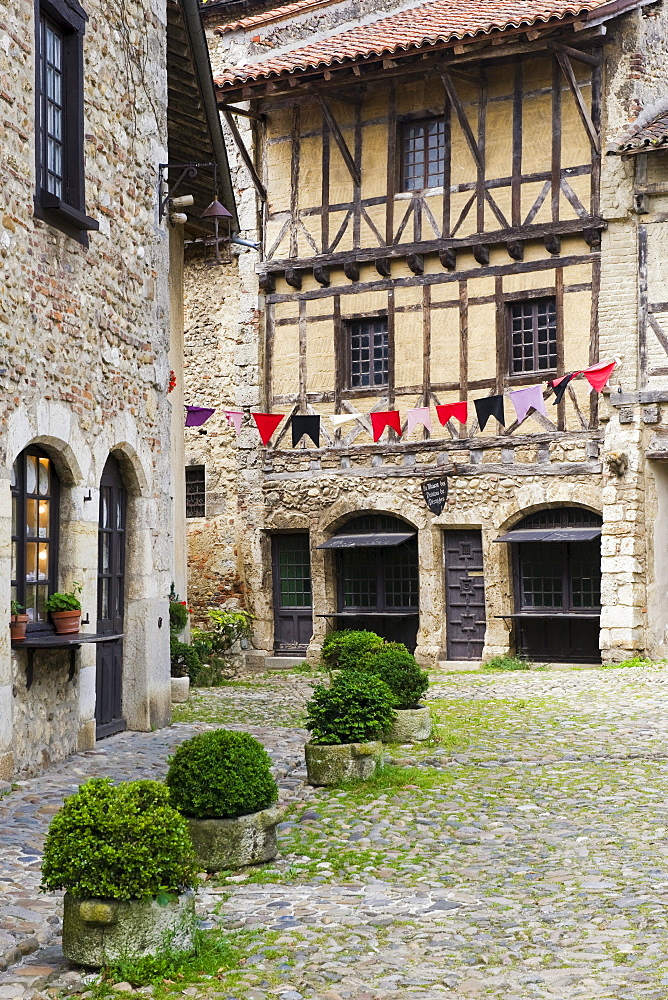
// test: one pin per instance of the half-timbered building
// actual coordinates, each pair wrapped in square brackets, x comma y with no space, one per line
[440,223]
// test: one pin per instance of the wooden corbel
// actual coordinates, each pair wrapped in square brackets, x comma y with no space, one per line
[293,277]
[351,269]
[321,275]
[481,253]
[415,262]
[267,283]
[552,243]
[448,258]
[592,238]
[515,249]
[383,266]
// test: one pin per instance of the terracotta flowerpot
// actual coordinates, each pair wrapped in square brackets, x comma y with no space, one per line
[17,627]
[66,622]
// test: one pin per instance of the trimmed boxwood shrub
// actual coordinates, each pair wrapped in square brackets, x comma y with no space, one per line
[220,774]
[399,669]
[356,708]
[343,650]
[118,842]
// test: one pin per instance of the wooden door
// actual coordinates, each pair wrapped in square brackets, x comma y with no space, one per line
[293,613]
[110,600]
[465,595]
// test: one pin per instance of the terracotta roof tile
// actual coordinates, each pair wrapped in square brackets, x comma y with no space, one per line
[274,14]
[653,134]
[439,21]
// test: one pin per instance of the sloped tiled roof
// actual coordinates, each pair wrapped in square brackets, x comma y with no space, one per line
[652,135]
[439,21]
[273,14]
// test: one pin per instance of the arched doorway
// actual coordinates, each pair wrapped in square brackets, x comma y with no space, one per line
[556,557]
[110,601]
[377,581]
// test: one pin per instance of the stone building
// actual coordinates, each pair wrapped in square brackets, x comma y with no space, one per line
[90,326]
[454,202]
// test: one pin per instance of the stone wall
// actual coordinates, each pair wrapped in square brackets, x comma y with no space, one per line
[84,339]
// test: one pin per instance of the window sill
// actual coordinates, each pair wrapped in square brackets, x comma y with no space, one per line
[54,211]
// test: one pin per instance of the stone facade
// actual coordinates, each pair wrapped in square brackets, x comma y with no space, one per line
[84,341]
[612,466]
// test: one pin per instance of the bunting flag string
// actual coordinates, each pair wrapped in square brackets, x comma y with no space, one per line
[385,418]
[489,406]
[559,386]
[198,415]
[308,425]
[598,375]
[418,415]
[234,417]
[338,419]
[530,398]
[266,424]
[459,411]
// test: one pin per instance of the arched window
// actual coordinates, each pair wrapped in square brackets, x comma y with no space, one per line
[34,487]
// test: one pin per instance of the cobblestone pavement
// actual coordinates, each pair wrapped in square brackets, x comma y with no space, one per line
[522,854]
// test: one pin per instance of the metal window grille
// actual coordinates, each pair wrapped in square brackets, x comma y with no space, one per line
[533,336]
[423,154]
[195,491]
[369,353]
[52,124]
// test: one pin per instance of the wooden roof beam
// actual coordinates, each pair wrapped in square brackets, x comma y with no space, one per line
[340,141]
[567,70]
[245,155]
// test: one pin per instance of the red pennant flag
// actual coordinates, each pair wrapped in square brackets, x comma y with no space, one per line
[457,410]
[267,424]
[598,375]
[383,419]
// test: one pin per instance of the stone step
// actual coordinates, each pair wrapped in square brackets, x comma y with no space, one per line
[282,662]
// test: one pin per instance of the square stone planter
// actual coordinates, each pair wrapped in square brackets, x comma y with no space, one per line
[180,690]
[410,726]
[99,931]
[235,842]
[329,765]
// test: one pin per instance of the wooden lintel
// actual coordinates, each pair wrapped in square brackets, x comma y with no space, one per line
[245,155]
[340,141]
[321,275]
[567,70]
[578,54]
[453,97]
[481,253]
[552,243]
[242,111]
[351,269]
[293,277]
[592,238]
[383,266]
[267,282]
[448,258]
[515,249]
[415,262]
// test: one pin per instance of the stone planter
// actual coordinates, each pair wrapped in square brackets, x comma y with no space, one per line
[410,726]
[180,689]
[329,765]
[235,842]
[66,622]
[99,931]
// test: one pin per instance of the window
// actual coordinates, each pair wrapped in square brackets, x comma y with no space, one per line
[423,154]
[368,353]
[381,579]
[60,195]
[34,486]
[564,576]
[195,491]
[533,336]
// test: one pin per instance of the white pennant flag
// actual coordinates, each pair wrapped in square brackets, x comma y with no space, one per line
[338,419]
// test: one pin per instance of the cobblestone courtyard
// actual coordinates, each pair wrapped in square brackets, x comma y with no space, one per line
[522,854]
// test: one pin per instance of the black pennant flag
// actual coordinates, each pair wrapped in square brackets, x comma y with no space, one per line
[309,425]
[560,389]
[489,406]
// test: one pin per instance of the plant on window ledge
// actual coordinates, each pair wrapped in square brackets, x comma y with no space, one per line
[18,622]
[65,609]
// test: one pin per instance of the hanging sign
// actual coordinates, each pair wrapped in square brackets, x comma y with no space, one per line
[435,493]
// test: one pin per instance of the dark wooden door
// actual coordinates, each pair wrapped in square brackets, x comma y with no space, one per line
[465,595]
[110,600]
[293,612]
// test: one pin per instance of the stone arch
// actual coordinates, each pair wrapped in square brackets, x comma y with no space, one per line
[535,497]
[345,509]
[132,468]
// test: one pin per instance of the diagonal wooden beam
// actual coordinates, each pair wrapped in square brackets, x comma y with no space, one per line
[453,97]
[567,70]
[245,155]
[340,141]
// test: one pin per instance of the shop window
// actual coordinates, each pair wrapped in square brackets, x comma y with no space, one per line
[368,353]
[532,327]
[195,491]
[34,486]
[423,154]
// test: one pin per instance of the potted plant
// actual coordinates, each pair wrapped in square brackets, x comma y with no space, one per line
[123,855]
[65,610]
[222,783]
[393,663]
[183,658]
[346,722]
[18,623]
[343,650]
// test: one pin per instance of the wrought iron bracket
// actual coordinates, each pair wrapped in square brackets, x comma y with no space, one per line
[165,191]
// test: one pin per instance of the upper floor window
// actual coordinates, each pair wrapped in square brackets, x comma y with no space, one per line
[422,154]
[59,146]
[533,336]
[195,491]
[368,353]
[34,486]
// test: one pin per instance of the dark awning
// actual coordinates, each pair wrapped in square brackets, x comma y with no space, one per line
[367,540]
[551,535]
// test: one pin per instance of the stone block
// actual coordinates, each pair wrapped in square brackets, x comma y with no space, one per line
[180,690]
[329,765]
[235,842]
[86,736]
[411,725]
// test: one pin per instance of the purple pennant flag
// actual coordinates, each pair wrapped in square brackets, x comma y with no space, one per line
[197,415]
[527,399]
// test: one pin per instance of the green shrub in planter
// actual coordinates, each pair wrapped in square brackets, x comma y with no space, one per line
[178,616]
[184,659]
[399,669]
[355,709]
[118,842]
[221,774]
[343,650]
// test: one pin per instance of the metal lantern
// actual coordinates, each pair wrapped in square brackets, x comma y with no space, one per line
[217,215]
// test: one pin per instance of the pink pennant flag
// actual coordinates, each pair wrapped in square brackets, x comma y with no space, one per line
[527,399]
[418,415]
[598,375]
[234,417]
